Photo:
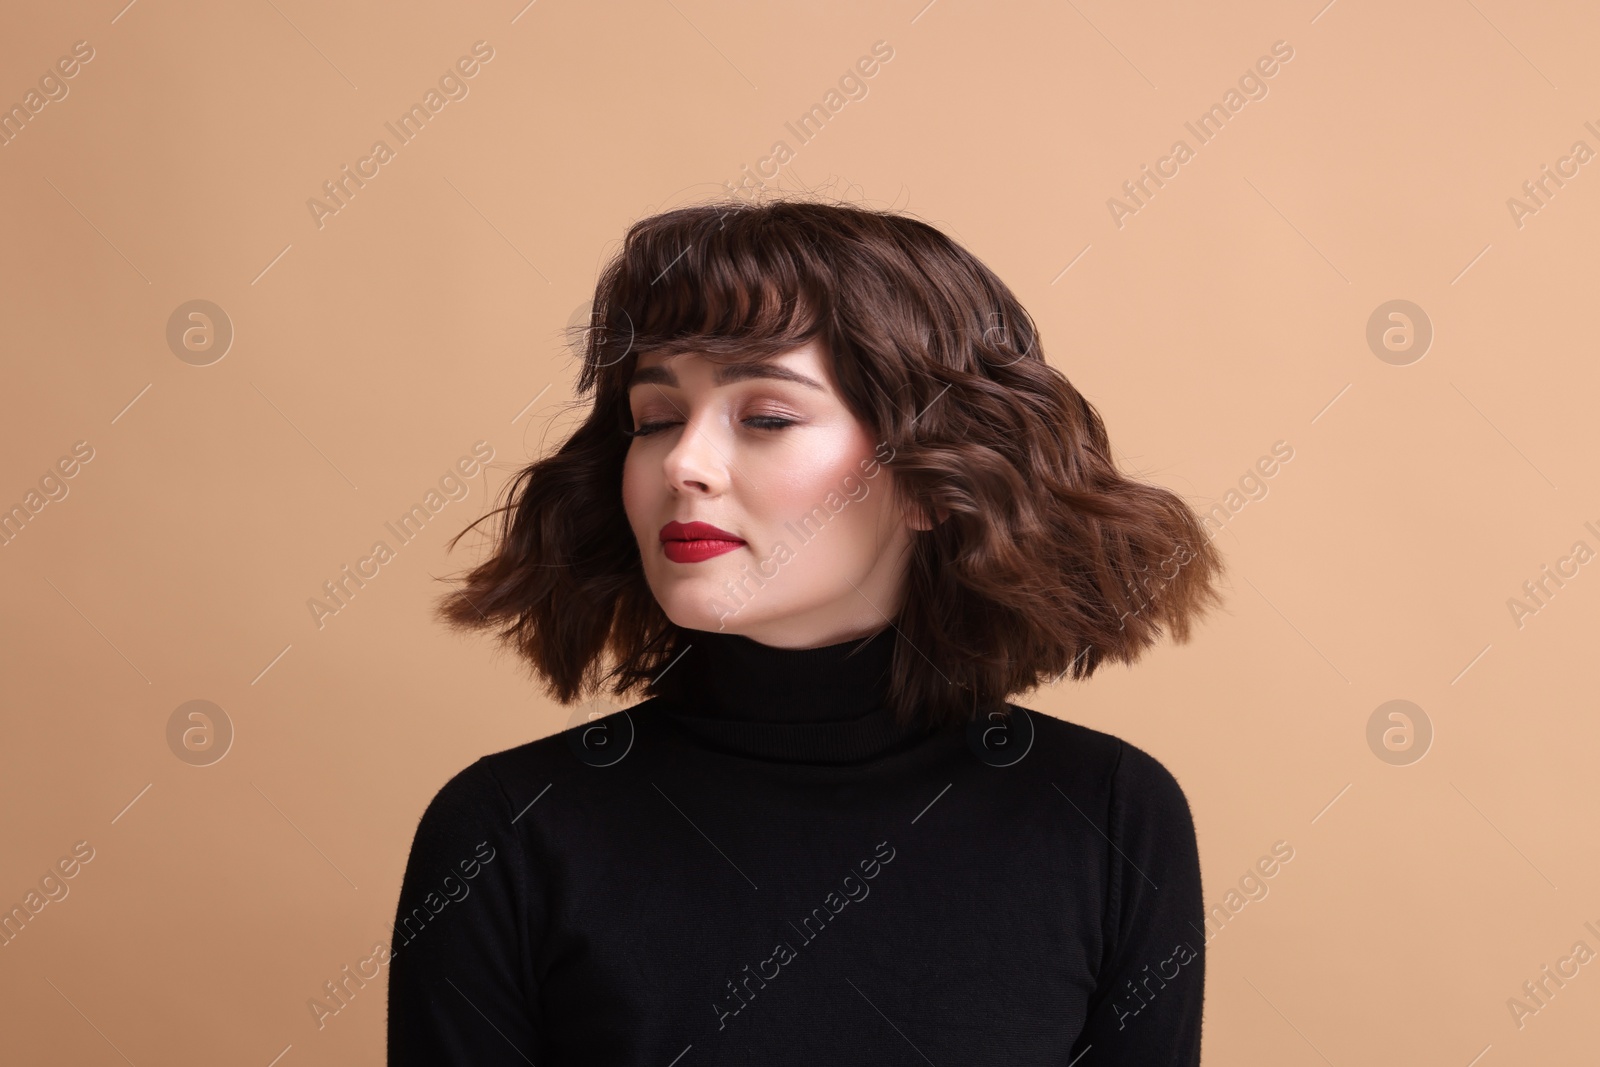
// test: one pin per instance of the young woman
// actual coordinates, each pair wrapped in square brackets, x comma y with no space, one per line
[829,508]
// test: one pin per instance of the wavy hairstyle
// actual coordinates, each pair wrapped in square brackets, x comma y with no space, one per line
[1047,561]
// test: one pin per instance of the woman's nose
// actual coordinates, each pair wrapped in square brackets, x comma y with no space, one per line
[697,461]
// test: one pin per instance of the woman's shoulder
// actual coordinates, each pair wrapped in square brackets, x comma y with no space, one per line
[465,798]
[511,778]
[1120,767]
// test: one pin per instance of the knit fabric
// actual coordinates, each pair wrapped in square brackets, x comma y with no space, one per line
[762,866]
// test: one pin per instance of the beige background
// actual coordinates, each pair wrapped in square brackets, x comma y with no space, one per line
[1228,313]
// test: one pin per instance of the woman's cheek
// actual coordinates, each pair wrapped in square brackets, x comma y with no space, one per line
[634,504]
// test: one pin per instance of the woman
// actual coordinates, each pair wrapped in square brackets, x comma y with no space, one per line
[829,508]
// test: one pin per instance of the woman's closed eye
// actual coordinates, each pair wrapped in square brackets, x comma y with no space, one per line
[770,423]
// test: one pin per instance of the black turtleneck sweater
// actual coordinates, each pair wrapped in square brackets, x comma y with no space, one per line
[762,867]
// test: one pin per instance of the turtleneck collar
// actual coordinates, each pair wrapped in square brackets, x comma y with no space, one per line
[810,705]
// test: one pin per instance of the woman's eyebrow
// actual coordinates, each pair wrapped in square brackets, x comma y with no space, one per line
[729,372]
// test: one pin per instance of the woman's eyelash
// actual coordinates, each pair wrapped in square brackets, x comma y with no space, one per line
[770,422]
[759,422]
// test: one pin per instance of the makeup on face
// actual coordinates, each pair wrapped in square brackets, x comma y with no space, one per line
[743,484]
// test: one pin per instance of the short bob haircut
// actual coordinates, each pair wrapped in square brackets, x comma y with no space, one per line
[1047,560]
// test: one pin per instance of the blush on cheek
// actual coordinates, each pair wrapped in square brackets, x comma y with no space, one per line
[633,497]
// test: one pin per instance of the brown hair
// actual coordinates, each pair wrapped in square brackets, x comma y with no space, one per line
[1048,561]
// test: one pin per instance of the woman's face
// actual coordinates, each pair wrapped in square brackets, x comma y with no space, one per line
[820,545]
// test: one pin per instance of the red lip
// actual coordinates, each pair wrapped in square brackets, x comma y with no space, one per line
[696,531]
[695,542]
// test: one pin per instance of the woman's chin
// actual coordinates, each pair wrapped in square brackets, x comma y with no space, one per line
[700,609]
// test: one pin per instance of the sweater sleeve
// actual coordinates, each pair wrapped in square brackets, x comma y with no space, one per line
[460,983]
[1146,1007]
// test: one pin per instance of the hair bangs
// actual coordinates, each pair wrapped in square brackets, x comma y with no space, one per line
[729,283]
